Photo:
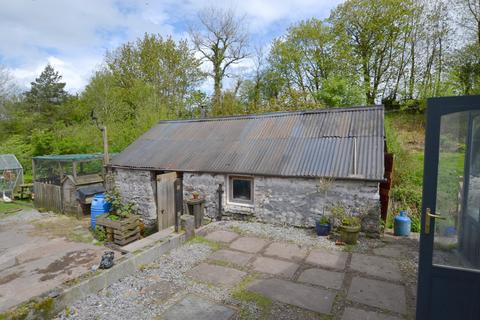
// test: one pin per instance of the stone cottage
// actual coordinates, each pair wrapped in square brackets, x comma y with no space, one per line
[286,167]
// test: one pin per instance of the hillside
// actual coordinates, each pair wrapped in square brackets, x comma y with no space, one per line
[405,138]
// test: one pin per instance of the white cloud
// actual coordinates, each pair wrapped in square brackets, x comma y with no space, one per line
[74,35]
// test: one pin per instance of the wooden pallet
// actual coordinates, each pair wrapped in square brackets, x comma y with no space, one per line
[121,232]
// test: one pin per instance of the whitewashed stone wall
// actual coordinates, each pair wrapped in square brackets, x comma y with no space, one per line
[292,201]
[138,186]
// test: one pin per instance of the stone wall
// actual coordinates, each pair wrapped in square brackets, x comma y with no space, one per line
[138,186]
[292,201]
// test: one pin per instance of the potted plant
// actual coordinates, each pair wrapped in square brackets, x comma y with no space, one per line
[195,195]
[348,224]
[121,224]
[322,226]
[349,229]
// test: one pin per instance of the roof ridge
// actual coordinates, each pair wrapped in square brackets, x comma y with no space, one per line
[276,114]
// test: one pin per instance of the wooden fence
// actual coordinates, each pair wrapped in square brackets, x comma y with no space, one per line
[48,196]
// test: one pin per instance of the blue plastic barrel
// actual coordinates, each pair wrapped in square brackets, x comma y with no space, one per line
[402,224]
[99,206]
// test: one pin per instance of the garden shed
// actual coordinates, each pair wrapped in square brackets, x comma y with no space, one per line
[11,174]
[66,183]
[285,167]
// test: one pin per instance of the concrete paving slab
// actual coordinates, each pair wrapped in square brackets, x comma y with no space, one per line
[324,278]
[378,294]
[376,266]
[284,250]
[222,236]
[359,314]
[275,267]
[390,251]
[303,296]
[193,307]
[249,244]
[217,275]
[234,257]
[43,258]
[326,258]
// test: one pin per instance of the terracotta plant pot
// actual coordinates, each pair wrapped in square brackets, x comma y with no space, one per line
[195,196]
[349,234]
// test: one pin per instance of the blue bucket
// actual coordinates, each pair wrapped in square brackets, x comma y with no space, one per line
[99,206]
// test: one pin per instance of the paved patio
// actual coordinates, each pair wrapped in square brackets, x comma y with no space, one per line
[323,283]
[243,270]
[39,252]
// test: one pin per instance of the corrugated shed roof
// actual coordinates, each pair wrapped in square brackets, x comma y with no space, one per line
[313,143]
[9,162]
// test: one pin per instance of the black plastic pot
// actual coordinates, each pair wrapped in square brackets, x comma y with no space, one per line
[323,229]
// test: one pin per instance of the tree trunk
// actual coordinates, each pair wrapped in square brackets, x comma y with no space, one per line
[217,90]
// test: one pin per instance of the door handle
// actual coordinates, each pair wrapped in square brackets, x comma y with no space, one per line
[429,215]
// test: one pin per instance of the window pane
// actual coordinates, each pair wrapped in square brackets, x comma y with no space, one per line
[457,235]
[241,189]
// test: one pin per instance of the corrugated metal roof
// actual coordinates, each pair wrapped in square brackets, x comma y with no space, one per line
[9,162]
[313,143]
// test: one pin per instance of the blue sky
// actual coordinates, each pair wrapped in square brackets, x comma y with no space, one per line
[73,36]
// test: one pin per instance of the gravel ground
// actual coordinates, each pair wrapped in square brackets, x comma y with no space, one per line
[300,236]
[150,291]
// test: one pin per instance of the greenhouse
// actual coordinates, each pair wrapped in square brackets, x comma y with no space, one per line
[11,175]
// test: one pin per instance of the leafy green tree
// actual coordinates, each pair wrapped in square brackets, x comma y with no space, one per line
[465,69]
[374,30]
[46,91]
[164,69]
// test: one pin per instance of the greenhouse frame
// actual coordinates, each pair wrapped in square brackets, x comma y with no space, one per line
[11,174]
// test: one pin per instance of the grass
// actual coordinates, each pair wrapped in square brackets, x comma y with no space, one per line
[241,293]
[11,207]
[64,226]
[202,240]
[405,139]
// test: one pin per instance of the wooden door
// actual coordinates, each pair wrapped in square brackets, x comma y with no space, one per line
[449,264]
[166,200]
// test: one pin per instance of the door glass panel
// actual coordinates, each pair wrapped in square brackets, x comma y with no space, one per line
[457,236]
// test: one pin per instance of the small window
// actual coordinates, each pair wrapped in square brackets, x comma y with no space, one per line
[240,190]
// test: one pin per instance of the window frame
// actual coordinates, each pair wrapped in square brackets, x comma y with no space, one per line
[240,202]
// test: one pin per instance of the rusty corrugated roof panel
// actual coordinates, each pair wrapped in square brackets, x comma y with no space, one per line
[313,143]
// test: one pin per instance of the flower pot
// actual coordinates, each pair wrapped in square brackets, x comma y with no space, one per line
[349,234]
[195,196]
[323,229]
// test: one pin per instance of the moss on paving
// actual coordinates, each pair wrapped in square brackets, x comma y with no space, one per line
[241,293]
[202,240]
[36,309]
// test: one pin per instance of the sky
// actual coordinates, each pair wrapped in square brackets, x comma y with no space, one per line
[74,35]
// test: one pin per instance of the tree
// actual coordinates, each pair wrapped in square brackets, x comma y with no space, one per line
[465,69]
[374,29]
[306,57]
[7,90]
[164,70]
[223,42]
[470,14]
[46,91]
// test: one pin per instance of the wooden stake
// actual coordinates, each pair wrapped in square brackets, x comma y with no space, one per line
[106,158]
